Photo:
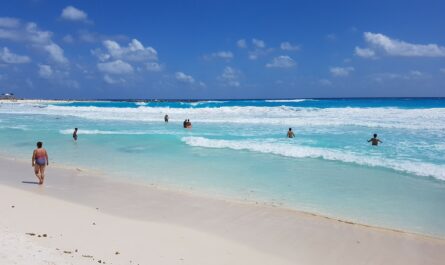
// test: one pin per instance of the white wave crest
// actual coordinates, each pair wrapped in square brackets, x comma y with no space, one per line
[70,131]
[286,100]
[276,148]
[415,119]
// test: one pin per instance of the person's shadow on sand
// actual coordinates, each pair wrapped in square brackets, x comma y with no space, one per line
[30,182]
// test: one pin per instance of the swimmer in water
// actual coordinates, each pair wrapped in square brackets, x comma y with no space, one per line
[290,133]
[375,141]
[166,118]
[75,134]
[39,161]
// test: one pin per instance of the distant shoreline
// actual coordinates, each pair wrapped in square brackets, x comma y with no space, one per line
[217,99]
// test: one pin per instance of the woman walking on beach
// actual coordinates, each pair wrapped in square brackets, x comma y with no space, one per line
[39,161]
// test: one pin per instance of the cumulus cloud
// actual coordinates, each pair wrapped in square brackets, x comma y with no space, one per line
[30,34]
[341,71]
[112,81]
[364,52]
[241,43]
[230,77]
[117,67]
[12,58]
[258,43]
[45,71]
[182,77]
[225,55]
[134,51]
[55,52]
[396,47]
[73,14]
[282,61]
[287,46]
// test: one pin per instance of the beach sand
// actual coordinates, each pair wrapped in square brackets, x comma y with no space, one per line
[84,218]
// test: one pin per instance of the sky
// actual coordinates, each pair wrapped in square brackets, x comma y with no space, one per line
[223,49]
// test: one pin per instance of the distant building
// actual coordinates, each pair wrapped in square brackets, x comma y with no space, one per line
[7,96]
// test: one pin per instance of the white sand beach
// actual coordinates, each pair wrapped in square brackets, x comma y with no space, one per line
[78,217]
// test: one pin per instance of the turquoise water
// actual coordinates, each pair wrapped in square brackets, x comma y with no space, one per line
[239,149]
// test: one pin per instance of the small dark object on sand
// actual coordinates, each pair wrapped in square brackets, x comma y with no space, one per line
[12,206]
[94,223]
[67,252]
[44,235]
[117,253]
[30,234]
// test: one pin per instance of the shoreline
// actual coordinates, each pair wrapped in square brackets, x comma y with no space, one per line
[102,176]
[285,234]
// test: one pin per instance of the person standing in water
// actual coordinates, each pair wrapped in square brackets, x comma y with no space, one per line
[166,118]
[375,141]
[290,133]
[39,161]
[75,134]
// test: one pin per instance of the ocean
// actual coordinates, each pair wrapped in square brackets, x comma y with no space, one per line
[238,149]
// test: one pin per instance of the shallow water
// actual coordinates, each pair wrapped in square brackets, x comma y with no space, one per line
[239,149]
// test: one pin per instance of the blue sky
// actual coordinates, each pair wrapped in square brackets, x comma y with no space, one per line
[222,49]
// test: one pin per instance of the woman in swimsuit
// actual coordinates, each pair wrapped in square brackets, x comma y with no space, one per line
[39,161]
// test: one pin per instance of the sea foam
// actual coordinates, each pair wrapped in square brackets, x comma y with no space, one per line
[296,151]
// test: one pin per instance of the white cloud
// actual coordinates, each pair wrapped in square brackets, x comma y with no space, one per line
[153,67]
[258,43]
[180,76]
[225,55]
[411,76]
[115,67]
[230,77]
[112,81]
[135,51]
[55,52]
[241,43]
[45,71]
[396,47]
[364,52]
[9,57]
[9,22]
[287,46]
[30,34]
[282,61]
[73,14]
[341,71]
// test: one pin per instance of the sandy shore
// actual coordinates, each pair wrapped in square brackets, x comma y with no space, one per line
[83,218]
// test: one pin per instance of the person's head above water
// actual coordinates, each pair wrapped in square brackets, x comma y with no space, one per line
[39,144]
[290,129]
[375,135]
[75,129]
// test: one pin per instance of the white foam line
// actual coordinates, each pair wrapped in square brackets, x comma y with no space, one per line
[413,167]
